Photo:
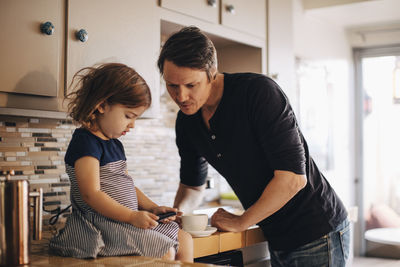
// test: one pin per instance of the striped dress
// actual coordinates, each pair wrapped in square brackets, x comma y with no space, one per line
[88,234]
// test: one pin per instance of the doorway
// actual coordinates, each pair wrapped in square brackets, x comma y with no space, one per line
[377,140]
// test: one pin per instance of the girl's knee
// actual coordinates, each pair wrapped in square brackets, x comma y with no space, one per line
[185,252]
[184,236]
[170,255]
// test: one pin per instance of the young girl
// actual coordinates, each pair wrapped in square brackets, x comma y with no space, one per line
[110,216]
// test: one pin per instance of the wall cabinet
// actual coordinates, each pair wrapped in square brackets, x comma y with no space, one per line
[246,16]
[30,59]
[125,31]
[239,34]
[38,68]
[207,10]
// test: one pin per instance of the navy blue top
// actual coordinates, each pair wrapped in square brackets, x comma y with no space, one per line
[89,234]
[252,133]
[84,143]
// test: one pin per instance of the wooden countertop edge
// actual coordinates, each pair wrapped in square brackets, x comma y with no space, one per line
[225,241]
[203,246]
[42,260]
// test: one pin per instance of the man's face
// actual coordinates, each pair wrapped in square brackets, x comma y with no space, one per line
[189,88]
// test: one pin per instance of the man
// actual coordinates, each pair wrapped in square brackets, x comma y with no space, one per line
[243,125]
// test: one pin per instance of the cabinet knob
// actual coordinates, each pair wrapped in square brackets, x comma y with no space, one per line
[212,3]
[231,9]
[82,35]
[47,28]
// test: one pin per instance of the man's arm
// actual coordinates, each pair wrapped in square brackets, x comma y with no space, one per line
[282,188]
[188,197]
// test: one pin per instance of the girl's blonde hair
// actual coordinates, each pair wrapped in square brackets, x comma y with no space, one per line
[111,83]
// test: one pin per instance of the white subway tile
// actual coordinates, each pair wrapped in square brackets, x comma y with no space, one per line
[34,130]
[44,181]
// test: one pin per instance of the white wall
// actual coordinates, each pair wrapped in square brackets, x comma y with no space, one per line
[281,61]
[294,33]
[326,44]
[323,42]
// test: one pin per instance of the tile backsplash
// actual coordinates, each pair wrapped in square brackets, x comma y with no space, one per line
[35,147]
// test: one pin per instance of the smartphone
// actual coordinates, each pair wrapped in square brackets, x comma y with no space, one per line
[162,216]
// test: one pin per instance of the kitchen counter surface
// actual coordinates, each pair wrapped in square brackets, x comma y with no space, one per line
[40,257]
[203,246]
[225,241]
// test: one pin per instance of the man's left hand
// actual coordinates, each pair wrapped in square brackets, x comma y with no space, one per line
[226,221]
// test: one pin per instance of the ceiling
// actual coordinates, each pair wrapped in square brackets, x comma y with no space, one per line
[358,13]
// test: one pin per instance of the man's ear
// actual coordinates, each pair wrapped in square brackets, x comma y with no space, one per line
[214,73]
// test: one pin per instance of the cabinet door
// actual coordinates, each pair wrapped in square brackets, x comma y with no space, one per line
[124,31]
[29,59]
[202,9]
[246,16]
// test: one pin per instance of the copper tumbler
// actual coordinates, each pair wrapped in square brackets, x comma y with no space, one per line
[14,221]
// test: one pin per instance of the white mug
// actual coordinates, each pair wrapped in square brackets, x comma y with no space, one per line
[194,222]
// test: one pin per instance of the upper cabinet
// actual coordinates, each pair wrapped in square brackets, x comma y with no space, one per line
[125,31]
[45,42]
[207,10]
[244,16]
[30,59]
[40,67]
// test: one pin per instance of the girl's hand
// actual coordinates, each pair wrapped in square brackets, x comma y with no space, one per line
[164,209]
[143,219]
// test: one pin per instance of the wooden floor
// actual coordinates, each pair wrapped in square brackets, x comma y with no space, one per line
[374,262]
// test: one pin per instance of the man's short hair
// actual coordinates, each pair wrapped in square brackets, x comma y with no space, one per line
[190,48]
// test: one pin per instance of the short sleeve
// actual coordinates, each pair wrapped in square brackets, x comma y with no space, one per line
[275,126]
[194,167]
[82,145]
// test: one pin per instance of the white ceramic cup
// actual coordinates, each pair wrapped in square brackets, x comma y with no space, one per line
[194,222]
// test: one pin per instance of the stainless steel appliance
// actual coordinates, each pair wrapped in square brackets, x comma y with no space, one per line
[14,220]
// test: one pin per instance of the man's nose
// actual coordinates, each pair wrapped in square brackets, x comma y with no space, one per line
[182,94]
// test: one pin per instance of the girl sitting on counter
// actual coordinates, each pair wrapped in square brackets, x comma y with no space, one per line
[110,216]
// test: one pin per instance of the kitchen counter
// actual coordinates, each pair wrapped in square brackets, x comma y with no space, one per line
[225,241]
[40,257]
[203,246]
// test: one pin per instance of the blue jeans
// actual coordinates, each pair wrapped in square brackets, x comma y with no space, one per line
[331,250]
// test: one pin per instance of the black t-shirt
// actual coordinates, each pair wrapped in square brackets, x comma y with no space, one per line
[254,132]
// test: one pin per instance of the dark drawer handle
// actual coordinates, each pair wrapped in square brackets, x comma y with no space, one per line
[47,28]
[82,35]
[231,9]
[212,3]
